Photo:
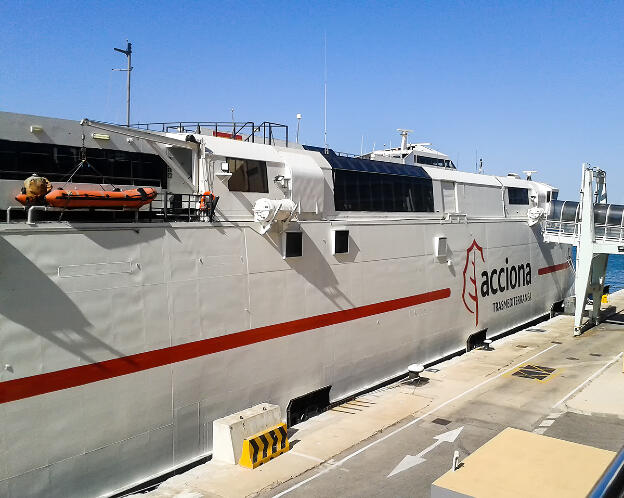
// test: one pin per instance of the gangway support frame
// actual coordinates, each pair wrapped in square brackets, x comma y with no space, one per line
[591,264]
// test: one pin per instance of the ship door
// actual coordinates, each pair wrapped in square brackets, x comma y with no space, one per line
[449,202]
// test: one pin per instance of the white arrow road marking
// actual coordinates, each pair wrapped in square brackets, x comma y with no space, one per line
[410,461]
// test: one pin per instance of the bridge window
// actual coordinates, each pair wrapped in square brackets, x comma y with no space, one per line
[518,195]
[247,175]
[433,161]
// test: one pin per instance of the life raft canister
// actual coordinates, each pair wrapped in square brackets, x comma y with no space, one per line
[34,191]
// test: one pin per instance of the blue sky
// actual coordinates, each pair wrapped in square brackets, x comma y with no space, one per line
[529,85]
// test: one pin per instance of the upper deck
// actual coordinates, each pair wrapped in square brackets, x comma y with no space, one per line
[242,163]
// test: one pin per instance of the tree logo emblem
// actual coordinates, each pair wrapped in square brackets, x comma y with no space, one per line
[469,292]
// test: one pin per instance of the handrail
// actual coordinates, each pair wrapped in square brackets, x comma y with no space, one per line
[167,207]
[233,128]
[30,220]
[604,232]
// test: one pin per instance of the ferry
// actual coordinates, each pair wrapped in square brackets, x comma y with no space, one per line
[262,271]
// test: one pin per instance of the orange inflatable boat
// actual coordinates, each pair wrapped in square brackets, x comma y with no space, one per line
[131,199]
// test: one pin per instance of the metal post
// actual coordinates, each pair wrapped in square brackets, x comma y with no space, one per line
[128,83]
[298,121]
[128,54]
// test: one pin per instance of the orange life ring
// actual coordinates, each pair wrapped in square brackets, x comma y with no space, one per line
[203,202]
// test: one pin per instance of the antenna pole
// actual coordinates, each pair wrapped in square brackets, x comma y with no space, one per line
[128,54]
[325,92]
[298,122]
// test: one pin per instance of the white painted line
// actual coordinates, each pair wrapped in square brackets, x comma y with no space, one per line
[539,431]
[555,415]
[546,423]
[309,457]
[409,424]
[589,379]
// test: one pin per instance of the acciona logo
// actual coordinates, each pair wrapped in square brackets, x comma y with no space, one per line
[469,292]
[493,282]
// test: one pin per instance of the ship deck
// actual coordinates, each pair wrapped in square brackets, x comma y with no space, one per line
[541,380]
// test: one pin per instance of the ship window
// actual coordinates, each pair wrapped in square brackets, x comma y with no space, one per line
[293,244]
[247,175]
[518,195]
[18,160]
[432,161]
[341,241]
[361,191]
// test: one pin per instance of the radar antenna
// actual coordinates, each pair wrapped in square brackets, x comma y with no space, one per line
[529,173]
[404,134]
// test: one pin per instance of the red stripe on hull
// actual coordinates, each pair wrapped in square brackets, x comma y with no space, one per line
[553,268]
[36,385]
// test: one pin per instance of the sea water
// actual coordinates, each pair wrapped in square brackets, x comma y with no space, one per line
[615,270]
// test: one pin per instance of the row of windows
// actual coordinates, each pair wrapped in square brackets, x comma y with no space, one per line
[361,191]
[435,161]
[56,162]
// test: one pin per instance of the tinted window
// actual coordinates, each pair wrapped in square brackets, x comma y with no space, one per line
[18,160]
[294,244]
[247,175]
[518,195]
[361,191]
[432,161]
[341,241]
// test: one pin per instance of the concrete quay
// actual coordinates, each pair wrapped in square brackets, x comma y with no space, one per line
[398,440]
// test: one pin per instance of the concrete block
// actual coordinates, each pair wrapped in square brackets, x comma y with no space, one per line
[229,432]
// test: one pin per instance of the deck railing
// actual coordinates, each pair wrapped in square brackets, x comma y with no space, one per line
[266,132]
[571,230]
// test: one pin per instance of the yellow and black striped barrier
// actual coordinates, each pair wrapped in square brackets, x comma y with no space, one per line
[262,447]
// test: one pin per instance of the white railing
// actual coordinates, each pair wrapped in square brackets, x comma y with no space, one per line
[560,230]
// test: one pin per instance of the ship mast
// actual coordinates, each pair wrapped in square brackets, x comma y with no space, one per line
[128,54]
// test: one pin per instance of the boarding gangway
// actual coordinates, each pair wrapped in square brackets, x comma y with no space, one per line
[596,229]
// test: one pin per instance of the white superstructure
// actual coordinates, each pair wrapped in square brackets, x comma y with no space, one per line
[122,340]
